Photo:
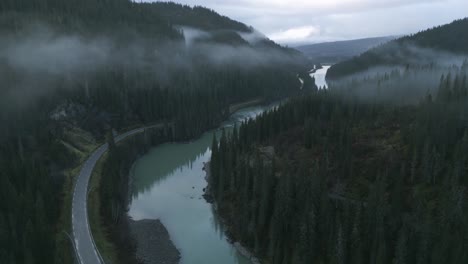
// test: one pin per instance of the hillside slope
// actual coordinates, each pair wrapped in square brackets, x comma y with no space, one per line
[97,65]
[332,52]
[422,48]
[337,178]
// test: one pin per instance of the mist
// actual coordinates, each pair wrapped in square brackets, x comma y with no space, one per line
[409,53]
[397,86]
[40,59]
[192,35]
[414,75]
[46,54]
[253,37]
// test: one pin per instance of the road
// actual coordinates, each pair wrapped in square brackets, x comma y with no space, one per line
[84,242]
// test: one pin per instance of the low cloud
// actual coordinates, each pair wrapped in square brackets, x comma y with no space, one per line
[338,19]
[192,35]
[40,60]
[300,34]
[252,37]
[50,55]
[412,73]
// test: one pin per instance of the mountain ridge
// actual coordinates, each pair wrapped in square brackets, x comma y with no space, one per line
[409,50]
[336,51]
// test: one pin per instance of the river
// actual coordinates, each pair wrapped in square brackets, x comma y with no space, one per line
[168,185]
[319,76]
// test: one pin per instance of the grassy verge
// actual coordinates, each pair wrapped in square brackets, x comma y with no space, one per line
[99,229]
[106,248]
[81,144]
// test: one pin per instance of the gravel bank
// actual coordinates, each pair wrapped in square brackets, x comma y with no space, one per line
[154,246]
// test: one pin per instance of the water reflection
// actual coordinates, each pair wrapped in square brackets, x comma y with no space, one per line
[174,156]
[171,157]
[168,185]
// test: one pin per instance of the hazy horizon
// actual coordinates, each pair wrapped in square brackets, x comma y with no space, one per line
[297,22]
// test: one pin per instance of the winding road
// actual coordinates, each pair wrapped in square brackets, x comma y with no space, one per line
[86,250]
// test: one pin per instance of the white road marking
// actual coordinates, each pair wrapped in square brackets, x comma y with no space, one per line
[85,175]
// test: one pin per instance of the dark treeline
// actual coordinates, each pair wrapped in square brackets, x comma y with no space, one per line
[132,68]
[332,178]
[198,17]
[194,100]
[432,45]
[119,12]
[86,17]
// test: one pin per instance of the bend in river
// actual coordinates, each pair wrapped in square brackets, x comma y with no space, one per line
[168,185]
[319,76]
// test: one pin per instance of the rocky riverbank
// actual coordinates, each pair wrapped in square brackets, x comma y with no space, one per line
[154,246]
[153,243]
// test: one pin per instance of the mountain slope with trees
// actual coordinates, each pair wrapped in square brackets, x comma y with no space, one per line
[333,52]
[442,43]
[70,71]
[346,176]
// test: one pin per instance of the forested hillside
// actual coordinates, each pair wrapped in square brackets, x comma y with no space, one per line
[333,52]
[72,70]
[439,44]
[197,17]
[347,176]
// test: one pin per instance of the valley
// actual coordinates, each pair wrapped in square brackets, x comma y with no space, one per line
[150,132]
[169,184]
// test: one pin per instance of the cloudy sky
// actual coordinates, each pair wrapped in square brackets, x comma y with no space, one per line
[307,21]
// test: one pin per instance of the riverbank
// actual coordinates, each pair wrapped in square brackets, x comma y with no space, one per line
[210,199]
[169,184]
[109,192]
[144,234]
[154,245]
[207,191]
[236,107]
[315,69]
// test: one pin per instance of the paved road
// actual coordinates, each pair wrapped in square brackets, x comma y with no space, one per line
[84,243]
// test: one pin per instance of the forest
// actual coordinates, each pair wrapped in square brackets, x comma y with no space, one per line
[114,187]
[71,71]
[343,176]
[334,52]
[441,44]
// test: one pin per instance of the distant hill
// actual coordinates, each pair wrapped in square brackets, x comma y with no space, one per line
[340,50]
[127,20]
[221,29]
[199,17]
[429,46]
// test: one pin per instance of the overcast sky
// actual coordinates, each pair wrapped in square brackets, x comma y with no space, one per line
[308,21]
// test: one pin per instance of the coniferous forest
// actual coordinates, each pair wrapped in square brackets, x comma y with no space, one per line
[346,176]
[371,170]
[71,71]
[441,43]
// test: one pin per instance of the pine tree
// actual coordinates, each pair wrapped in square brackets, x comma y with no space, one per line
[111,140]
[308,134]
[464,87]
[400,256]
[457,90]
